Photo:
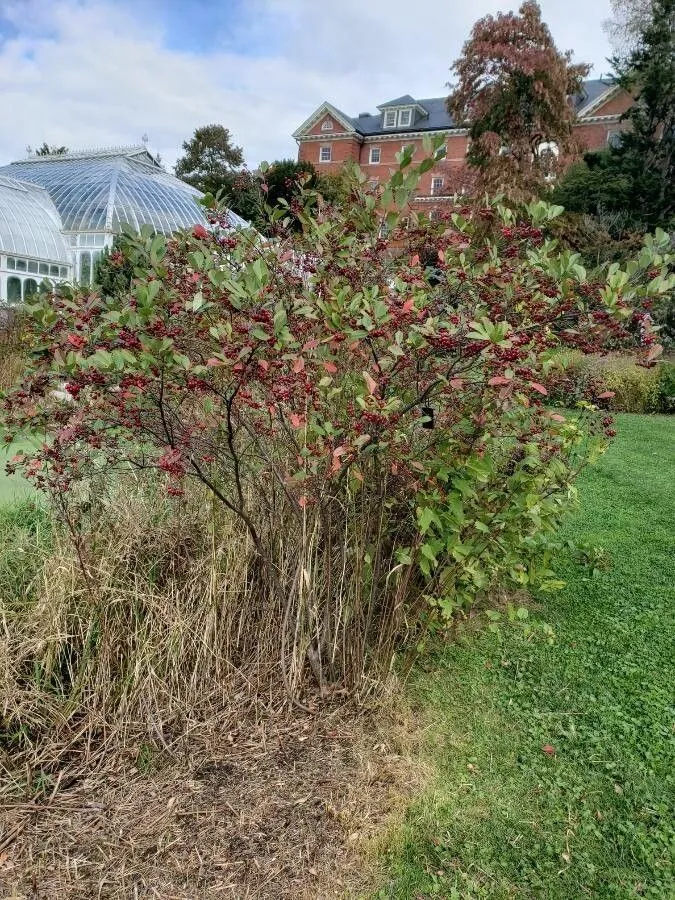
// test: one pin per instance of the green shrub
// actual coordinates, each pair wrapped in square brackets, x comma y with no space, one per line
[574,377]
[667,387]
[371,420]
[636,388]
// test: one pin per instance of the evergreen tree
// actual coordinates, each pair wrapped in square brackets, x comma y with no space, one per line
[647,150]
[636,178]
[211,160]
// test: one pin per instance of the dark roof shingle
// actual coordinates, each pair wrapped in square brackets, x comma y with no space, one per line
[439,119]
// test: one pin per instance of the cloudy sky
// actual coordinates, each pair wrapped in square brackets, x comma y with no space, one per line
[91,73]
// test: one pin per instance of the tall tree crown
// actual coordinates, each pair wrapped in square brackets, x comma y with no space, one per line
[512,88]
[210,159]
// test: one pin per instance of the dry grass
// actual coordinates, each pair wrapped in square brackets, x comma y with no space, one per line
[147,747]
[281,807]
[12,349]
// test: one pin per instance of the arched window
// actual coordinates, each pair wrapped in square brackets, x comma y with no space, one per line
[30,288]
[85,267]
[14,290]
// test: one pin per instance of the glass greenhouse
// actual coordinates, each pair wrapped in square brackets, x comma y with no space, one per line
[32,245]
[95,192]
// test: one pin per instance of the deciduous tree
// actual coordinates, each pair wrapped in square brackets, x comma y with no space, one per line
[512,91]
[628,20]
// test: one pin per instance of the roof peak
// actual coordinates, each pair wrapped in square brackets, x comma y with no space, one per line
[405,100]
[91,153]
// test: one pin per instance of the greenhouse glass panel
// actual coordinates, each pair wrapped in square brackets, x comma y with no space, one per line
[85,267]
[14,290]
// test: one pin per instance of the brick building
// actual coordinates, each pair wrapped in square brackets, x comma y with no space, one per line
[329,137]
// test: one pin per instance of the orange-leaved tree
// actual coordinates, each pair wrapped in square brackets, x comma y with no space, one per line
[512,90]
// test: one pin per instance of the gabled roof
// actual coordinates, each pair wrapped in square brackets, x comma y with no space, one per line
[437,118]
[594,92]
[326,108]
[405,100]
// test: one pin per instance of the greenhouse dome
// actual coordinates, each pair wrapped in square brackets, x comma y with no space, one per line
[32,246]
[96,191]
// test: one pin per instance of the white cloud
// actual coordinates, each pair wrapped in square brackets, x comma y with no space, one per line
[90,73]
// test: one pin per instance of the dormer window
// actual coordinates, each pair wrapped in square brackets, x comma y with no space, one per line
[327,125]
[398,117]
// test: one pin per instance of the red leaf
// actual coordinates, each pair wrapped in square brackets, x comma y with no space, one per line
[558,418]
[330,367]
[605,395]
[311,345]
[548,750]
[441,255]
[200,232]
[213,362]
[296,420]
[409,305]
[302,502]
[457,383]
[263,363]
[539,388]
[415,260]
[498,379]
[298,365]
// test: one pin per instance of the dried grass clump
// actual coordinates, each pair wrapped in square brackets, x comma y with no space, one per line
[12,348]
[140,622]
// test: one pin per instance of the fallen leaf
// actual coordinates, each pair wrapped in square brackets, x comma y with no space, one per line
[298,365]
[370,383]
[548,750]
[539,388]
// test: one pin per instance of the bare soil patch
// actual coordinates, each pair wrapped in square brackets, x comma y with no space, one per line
[281,807]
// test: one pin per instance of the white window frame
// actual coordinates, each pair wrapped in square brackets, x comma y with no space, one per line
[390,114]
[437,189]
[408,114]
[330,153]
[327,125]
[375,162]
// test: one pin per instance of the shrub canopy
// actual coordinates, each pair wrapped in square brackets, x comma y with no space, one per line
[370,410]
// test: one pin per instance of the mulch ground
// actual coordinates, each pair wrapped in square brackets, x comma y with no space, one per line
[278,809]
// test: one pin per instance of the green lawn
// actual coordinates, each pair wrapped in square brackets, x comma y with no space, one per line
[597,818]
[12,488]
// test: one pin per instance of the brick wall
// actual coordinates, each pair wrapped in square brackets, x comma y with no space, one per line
[591,135]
